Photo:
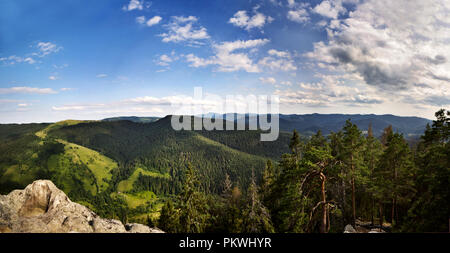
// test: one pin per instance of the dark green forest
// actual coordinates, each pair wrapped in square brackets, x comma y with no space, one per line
[229,181]
[324,183]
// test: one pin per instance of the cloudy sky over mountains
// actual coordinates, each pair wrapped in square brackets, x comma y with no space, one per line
[96,59]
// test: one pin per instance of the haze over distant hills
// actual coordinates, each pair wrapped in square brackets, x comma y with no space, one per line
[308,124]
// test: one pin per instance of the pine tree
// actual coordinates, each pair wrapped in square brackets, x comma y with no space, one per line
[296,145]
[353,144]
[317,161]
[286,205]
[430,212]
[256,215]
[395,172]
[230,214]
[193,211]
[169,218]
[267,180]
[372,153]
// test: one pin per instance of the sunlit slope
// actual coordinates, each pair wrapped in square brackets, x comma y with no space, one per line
[158,148]
[30,154]
[97,166]
[127,185]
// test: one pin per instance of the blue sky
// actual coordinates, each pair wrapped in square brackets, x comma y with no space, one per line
[95,59]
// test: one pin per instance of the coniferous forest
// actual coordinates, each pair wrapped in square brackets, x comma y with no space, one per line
[326,182]
[230,182]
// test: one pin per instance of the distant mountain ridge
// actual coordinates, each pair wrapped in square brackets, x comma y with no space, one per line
[133,119]
[308,124]
[311,123]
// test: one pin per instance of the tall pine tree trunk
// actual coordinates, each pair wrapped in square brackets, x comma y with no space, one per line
[323,227]
[353,190]
[344,209]
[372,212]
[381,216]
[353,202]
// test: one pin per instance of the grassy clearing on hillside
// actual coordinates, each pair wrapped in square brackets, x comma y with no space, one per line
[127,185]
[19,174]
[99,164]
[137,199]
[66,173]
[43,133]
[75,155]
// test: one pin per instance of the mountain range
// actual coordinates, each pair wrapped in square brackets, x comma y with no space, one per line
[129,166]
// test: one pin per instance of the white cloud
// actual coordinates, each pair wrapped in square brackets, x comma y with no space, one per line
[227,59]
[399,47]
[153,21]
[282,54]
[183,29]
[242,20]
[13,59]
[291,3]
[182,19]
[278,61]
[140,20]
[53,78]
[66,89]
[46,48]
[300,15]
[330,91]
[134,5]
[330,9]
[101,75]
[29,90]
[269,80]
[164,60]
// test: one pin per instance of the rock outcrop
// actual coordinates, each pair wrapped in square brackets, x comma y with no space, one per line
[43,208]
[361,228]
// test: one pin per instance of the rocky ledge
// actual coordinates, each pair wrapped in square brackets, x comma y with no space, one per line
[43,208]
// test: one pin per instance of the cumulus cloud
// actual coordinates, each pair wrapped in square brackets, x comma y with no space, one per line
[291,3]
[46,48]
[184,29]
[28,90]
[153,21]
[227,59]
[66,89]
[395,46]
[134,5]
[330,9]
[13,59]
[269,80]
[278,61]
[164,60]
[332,90]
[300,15]
[53,78]
[242,20]
[144,104]
[43,49]
[140,20]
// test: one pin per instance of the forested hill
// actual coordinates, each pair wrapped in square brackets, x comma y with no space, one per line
[129,169]
[121,166]
[309,124]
